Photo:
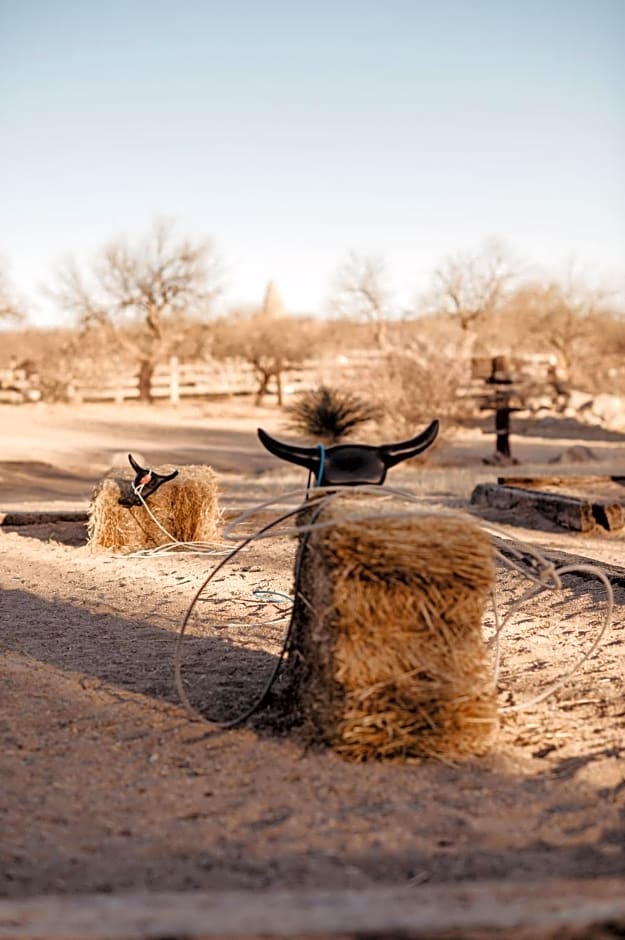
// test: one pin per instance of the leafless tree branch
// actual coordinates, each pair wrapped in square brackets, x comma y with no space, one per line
[473,286]
[140,294]
[11,307]
[360,291]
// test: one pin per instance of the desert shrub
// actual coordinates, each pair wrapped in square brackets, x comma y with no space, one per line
[328,414]
[412,390]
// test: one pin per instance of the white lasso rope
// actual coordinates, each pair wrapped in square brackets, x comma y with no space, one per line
[543,574]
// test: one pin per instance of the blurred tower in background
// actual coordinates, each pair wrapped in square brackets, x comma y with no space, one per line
[273,306]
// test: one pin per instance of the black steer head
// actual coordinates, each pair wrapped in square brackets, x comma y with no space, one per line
[146,482]
[350,464]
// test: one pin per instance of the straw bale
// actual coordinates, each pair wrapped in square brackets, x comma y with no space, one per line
[186,507]
[387,657]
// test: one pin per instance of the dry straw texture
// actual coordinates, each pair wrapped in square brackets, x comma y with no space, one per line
[388,657]
[186,507]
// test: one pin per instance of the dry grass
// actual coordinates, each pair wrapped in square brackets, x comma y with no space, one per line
[388,654]
[187,509]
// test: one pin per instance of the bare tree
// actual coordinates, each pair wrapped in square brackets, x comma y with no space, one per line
[472,287]
[569,319]
[360,291]
[271,345]
[11,307]
[141,296]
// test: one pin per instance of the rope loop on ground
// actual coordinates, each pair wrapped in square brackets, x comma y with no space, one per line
[518,556]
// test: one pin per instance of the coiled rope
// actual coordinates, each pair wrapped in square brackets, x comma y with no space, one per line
[513,554]
[174,544]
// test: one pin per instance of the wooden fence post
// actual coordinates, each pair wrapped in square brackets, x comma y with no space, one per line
[174,381]
[501,378]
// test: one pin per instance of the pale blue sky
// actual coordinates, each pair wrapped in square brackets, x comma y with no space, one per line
[294,132]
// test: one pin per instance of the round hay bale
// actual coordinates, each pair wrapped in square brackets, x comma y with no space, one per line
[186,507]
[387,658]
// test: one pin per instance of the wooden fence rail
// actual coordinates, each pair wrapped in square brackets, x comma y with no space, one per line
[173,382]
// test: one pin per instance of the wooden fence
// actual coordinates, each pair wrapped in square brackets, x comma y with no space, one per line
[172,381]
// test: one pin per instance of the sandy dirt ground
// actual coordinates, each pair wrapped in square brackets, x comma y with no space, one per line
[109,785]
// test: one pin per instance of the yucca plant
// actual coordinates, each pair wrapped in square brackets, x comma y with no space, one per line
[327,414]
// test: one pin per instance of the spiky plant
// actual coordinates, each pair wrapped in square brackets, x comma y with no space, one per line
[328,415]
